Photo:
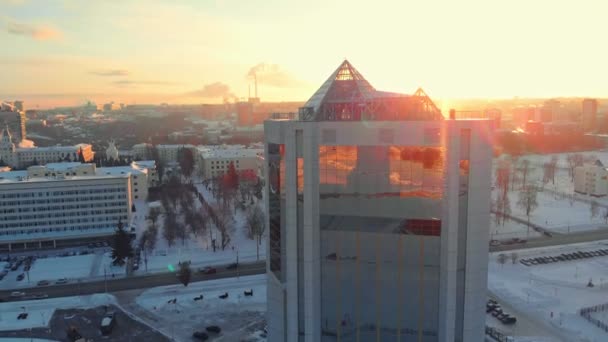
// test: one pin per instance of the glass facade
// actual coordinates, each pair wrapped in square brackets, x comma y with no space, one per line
[276,209]
[380,210]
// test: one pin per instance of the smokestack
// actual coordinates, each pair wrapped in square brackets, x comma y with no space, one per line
[255,78]
[248,91]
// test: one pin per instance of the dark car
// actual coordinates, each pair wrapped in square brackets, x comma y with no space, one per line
[509,320]
[208,270]
[200,335]
[20,277]
[44,283]
[213,329]
[232,266]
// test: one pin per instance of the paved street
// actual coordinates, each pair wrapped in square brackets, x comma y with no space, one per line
[135,282]
[561,239]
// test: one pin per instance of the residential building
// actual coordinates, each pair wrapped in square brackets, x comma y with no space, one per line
[169,153]
[19,157]
[589,114]
[591,179]
[215,161]
[14,119]
[378,212]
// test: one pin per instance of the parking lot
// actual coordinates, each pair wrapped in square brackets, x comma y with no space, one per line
[87,324]
[577,255]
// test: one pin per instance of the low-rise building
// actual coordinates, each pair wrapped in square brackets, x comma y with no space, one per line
[214,161]
[591,179]
[19,157]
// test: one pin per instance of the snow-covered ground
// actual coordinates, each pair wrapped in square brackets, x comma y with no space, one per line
[41,311]
[552,294]
[238,315]
[556,213]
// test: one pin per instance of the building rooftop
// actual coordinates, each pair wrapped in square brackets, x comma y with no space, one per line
[230,153]
[347,96]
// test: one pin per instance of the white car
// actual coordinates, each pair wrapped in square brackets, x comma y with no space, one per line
[61,281]
[17,294]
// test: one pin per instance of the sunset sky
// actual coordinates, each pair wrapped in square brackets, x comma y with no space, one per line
[62,52]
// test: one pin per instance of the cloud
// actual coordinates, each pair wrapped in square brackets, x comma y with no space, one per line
[12,2]
[110,72]
[38,32]
[213,91]
[273,75]
[127,83]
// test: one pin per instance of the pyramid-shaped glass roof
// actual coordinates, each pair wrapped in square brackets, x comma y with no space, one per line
[345,84]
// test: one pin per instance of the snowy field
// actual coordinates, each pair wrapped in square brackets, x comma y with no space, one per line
[239,316]
[552,294]
[556,213]
[41,311]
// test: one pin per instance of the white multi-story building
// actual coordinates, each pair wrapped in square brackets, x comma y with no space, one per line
[19,157]
[591,179]
[378,212]
[214,161]
[40,211]
[63,201]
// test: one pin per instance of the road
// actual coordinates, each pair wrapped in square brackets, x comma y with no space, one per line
[135,282]
[562,239]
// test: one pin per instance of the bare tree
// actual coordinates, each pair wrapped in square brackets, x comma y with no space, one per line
[514,160]
[527,201]
[514,257]
[502,258]
[154,214]
[593,208]
[503,172]
[257,225]
[502,209]
[223,222]
[169,229]
[524,170]
[573,161]
[554,161]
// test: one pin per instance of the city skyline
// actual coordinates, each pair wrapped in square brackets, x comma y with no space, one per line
[66,52]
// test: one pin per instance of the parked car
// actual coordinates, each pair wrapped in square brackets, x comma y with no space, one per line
[14,267]
[22,315]
[208,270]
[17,294]
[43,283]
[61,281]
[107,323]
[232,266]
[41,296]
[20,277]
[213,329]
[200,335]
[509,320]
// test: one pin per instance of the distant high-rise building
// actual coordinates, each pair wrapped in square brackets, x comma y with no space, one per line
[589,114]
[14,119]
[378,214]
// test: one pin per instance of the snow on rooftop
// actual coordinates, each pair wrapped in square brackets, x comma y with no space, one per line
[62,166]
[229,153]
[119,170]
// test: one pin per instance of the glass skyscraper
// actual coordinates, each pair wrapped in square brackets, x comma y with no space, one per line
[378,213]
